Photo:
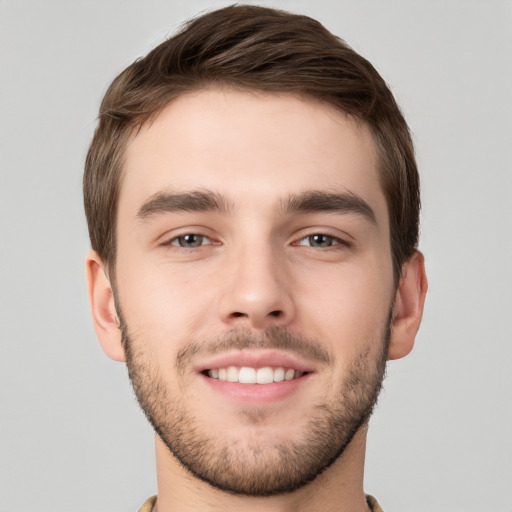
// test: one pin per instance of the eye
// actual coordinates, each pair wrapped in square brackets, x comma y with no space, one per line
[189,241]
[321,241]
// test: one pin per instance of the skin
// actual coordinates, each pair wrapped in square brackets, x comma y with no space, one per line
[256,268]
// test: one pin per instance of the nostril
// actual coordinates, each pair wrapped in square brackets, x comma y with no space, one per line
[237,314]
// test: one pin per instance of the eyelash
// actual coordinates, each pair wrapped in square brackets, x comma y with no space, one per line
[175,241]
[202,240]
[333,241]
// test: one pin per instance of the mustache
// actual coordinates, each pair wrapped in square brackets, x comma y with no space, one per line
[271,338]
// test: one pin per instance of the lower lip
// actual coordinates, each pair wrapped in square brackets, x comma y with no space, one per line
[256,394]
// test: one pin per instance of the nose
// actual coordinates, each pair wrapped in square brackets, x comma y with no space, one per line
[257,290]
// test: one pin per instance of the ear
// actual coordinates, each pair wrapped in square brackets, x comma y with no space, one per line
[408,306]
[101,301]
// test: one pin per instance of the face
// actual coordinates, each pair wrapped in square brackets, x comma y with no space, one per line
[254,284]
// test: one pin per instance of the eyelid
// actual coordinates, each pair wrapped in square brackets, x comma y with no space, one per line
[171,236]
[336,240]
[204,240]
[341,238]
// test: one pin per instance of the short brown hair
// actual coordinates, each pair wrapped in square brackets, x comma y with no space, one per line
[255,48]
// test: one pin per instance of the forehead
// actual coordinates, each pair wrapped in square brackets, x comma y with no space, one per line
[247,145]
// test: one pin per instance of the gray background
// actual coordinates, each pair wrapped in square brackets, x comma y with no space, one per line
[71,436]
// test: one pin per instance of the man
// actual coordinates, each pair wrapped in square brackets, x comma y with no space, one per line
[253,200]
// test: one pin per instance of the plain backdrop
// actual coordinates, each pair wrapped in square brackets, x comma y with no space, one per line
[71,435]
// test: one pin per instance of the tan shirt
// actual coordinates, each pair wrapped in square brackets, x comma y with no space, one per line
[372,503]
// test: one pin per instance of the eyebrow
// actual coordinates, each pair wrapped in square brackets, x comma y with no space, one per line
[320,201]
[206,200]
[194,201]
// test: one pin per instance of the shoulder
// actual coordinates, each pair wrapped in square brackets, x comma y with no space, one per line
[148,505]
[372,503]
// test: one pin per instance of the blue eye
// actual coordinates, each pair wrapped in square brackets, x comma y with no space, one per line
[320,241]
[190,241]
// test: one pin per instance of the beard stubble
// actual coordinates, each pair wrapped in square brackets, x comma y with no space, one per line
[259,468]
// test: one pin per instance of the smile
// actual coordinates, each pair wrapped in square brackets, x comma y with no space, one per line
[249,375]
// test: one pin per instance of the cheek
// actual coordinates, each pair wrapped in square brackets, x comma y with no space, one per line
[164,305]
[348,308]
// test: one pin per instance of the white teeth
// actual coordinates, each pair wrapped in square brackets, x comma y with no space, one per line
[248,375]
[265,375]
[279,375]
[232,374]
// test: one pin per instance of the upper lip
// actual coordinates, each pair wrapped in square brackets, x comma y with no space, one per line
[255,358]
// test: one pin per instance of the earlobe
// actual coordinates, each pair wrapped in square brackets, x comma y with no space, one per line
[408,306]
[101,301]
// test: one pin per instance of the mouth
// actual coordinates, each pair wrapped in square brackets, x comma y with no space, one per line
[251,375]
[258,377]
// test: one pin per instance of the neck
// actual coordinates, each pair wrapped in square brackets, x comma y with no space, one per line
[338,489]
